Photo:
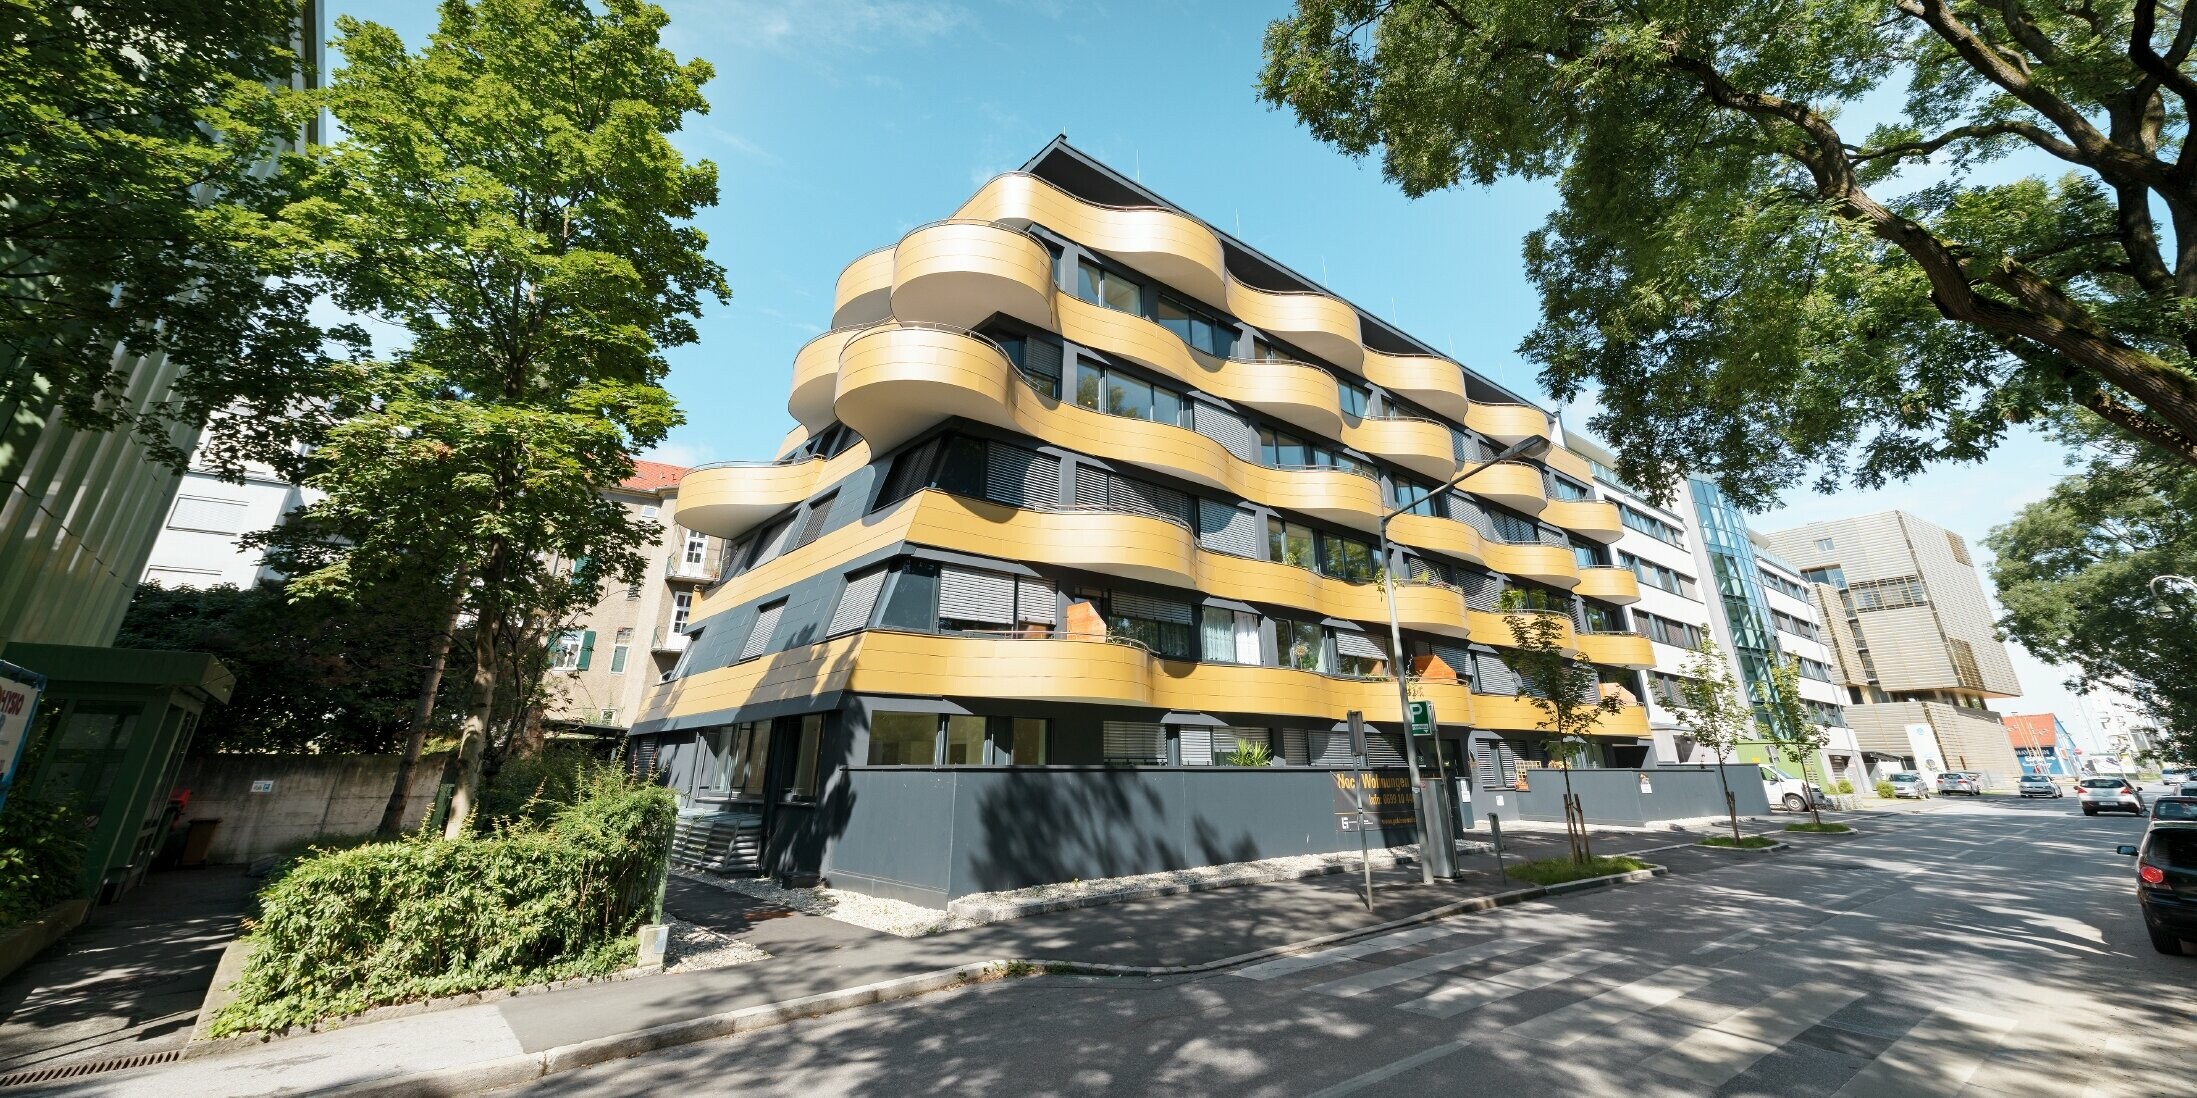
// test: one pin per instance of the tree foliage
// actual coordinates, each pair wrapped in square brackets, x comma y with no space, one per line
[1790,727]
[2074,571]
[138,210]
[1753,288]
[312,675]
[1714,712]
[509,196]
[1566,690]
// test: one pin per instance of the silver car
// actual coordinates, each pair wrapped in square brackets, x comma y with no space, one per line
[1907,783]
[2039,785]
[2104,794]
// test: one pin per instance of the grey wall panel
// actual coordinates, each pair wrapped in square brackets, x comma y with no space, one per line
[1614,797]
[898,835]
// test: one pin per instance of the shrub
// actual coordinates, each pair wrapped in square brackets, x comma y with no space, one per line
[1843,787]
[41,856]
[535,787]
[1744,842]
[1884,790]
[1821,829]
[391,922]
[1252,753]
[1559,870]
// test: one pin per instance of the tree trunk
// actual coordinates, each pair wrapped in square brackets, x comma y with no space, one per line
[477,720]
[1731,807]
[1808,792]
[438,658]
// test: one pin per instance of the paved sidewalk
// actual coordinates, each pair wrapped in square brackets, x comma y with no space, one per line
[129,981]
[816,956]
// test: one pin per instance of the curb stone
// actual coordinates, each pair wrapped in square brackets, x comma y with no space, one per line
[513,1070]
[1773,848]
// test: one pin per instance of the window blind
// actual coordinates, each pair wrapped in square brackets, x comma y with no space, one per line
[856,602]
[1295,750]
[1228,429]
[1358,644]
[1197,743]
[820,514]
[1228,529]
[1495,676]
[1134,743]
[1021,477]
[1144,606]
[1330,748]
[965,594]
[214,516]
[766,623]
[1036,603]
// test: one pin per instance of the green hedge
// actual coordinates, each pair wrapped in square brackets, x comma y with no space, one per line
[41,856]
[393,922]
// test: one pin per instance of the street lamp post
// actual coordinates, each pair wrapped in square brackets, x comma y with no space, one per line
[1529,448]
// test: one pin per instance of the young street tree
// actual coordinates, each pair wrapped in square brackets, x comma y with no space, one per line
[1791,729]
[508,196]
[1714,712]
[138,211]
[1568,693]
[1740,279]
[2074,571]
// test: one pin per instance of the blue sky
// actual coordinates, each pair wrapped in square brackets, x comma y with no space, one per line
[838,125]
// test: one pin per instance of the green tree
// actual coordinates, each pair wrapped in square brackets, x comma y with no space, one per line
[312,675]
[1753,288]
[1790,727]
[509,196]
[1715,714]
[2074,571]
[143,206]
[1567,691]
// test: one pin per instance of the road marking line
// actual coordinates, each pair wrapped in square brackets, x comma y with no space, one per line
[1715,1054]
[1356,1083]
[1937,1057]
[1459,996]
[1351,986]
[1283,966]
[1566,1025]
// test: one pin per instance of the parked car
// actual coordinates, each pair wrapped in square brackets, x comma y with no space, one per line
[2166,882]
[2188,789]
[2104,794]
[2176,775]
[2174,808]
[1792,793]
[1961,781]
[1907,783]
[2039,785]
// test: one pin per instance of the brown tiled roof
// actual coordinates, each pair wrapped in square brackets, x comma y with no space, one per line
[648,476]
[2031,730]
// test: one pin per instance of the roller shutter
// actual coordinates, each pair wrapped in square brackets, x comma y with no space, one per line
[820,514]
[1197,743]
[1228,529]
[1330,748]
[910,472]
[1228,429]
[1296,750]
[1495,676]
[1497,764]
[1129,742]
[968,595]
[1021,477]
[1358,644]
[1036,603]
[1144,606]
[766,623]
[856,602]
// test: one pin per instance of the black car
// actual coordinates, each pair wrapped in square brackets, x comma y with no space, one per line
[2166,882]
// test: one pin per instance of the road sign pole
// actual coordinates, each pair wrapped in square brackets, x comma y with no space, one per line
[1357,778]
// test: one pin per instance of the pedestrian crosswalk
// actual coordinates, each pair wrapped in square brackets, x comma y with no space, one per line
[1688,1043]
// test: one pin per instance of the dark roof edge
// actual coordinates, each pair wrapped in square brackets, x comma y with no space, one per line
[1061,145]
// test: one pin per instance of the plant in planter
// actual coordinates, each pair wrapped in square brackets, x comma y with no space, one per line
[1251,753]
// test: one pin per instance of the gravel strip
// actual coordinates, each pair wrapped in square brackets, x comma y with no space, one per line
[992,907]
[896,917]
[694,948]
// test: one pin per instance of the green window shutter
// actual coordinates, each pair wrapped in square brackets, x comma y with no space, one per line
[587,649]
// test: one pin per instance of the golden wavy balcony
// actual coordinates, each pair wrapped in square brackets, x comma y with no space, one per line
[1514,484]
[961,272]
[816,377]
[1420,445]
[864,292]
[1493,627]
[728,499]
[1551,564]
[1293,392]
[1316,322]
[1590,518]
[1169,246]
[897,380]
[1612,585]
[1440,535]
[1616,649]
[1569,463]
[1522,715]
[1429,380]
[1509,423]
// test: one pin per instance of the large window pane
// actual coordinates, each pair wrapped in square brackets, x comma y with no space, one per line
[1353,397]
[752,741]
[1167,407]
[806,747]
[1090,281]
[1173,317]
[1028,742]
[1290,452]
[1217,634]
[964,741]
[1289,543]
[903,739]
[1128,397]
[1346,558]
[1090,381]
[1269,447]
[1303,645]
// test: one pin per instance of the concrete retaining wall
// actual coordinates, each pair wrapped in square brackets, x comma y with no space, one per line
[1613,797]
[310,797]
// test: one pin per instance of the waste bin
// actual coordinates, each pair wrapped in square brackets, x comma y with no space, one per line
[1440,847]
[198,838]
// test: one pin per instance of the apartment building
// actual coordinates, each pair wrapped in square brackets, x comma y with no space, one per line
[200,544]
[1704,574]
[1912,630]
[2043,744]
[1085,506]
[600,668]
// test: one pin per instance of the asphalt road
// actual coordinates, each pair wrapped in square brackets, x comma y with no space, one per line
[1980,948]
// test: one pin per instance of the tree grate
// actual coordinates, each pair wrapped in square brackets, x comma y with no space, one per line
[92,1067]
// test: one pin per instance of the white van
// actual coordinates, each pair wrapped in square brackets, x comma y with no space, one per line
[1789,793]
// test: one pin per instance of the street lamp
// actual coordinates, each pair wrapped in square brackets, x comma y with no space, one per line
[1529,448]
[2182,584]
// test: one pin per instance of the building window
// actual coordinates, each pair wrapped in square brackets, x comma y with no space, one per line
[1103,287]
[759,636]
[1161,625]
[1352,396]
[207,514]
[903,739]
[819,516]
[618,649]
[649,510]
[964,740]
[1118,394]
[1659,577]
[806,748]
[1357,656]
[1413,497]
[1823,545]
[1301,645]
[1281,450]
[1289,543]
[1228,636]
[1346,558]
[1562,489]
[1889,594]
[572,650]
[736,761]
[697,549]
[1026,741]
[682,605]
[1650,525]
[1037,359]
[1196,328]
